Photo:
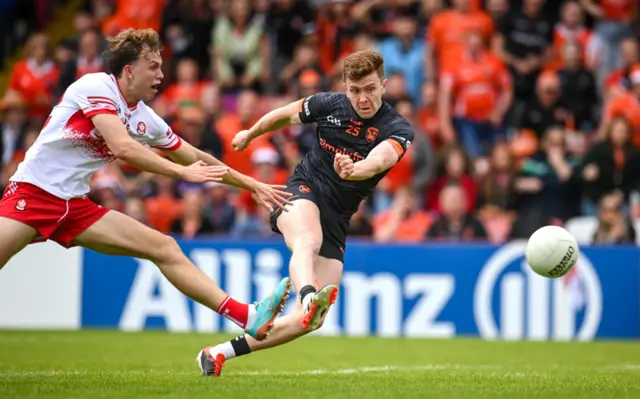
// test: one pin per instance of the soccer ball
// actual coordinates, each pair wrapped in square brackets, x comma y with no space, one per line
[551,251]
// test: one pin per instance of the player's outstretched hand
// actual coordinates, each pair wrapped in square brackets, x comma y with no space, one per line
[270,195]
[200,172]
[241,140]
[343,166]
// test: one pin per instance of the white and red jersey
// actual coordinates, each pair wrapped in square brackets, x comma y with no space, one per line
[69,149]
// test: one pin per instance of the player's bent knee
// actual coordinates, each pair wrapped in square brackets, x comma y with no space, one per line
[307,242]
[167,251]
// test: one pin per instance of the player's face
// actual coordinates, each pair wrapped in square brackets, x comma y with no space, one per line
[146,75]
[366,94]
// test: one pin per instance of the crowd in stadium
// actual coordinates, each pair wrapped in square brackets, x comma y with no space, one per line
[526,113]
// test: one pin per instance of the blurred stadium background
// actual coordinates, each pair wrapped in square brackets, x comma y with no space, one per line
[527,113]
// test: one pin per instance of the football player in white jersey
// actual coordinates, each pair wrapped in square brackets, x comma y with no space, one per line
[100,118]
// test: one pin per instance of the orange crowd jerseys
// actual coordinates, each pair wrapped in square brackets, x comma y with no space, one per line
[36,85]
[562,36]
[447,33]
[411,229]
[476,85]
[181,95]
[401,173]
[617,10]
[227,127]
[137,14]
[626,105]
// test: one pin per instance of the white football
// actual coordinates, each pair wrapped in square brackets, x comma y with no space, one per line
[552,251]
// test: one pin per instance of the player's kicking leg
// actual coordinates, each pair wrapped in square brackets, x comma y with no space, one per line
[118,234]
[287,328]
[14,236]
[302,233]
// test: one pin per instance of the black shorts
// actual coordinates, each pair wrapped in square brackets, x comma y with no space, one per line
[334,226]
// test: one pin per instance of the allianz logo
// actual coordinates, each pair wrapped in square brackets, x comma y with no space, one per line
[384,304]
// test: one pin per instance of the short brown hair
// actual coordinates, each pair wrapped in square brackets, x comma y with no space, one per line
[128,46]
[362,63]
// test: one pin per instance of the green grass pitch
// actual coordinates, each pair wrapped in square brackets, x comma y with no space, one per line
[103,364]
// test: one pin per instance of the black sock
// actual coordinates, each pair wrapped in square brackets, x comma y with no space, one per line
[307,289]
[240,346]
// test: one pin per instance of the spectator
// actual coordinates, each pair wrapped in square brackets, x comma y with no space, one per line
[496,193]
[136,14]
[163,208]
[545,109]
[578,82]
[571,29]
[252,219]
[187,89]
[612,164]
[454,168]
[617,82]
[403,52]
[428,119]
[420,159]
[428,9]
[240,48]
[88,60]
[455,222]
[523,43]
[403,221]
[613,226]
[265,163]
[206,211]
[186,30]
[289,22]
[547,189]
[83,21]
[13,126]
[613,22]
[15,147]
[245,116]
[446,36]
[396,88]
[301,69]
[479,91]
[219,215]
[192,221]
[335,33]
[627,105]
[35,77]
[191,125]
[498,10]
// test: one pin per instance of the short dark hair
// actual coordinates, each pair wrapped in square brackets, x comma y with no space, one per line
[128,46]
[362,63]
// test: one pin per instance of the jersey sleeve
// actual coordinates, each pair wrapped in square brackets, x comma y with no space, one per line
[315,107]
[93,97]
[161,135]
[401,139]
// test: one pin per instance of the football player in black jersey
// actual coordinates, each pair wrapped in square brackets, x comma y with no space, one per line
[359,138]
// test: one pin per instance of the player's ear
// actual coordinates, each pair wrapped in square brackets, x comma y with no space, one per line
[128,70]
[384,86]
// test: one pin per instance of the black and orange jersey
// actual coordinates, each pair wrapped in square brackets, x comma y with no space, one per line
[341,130]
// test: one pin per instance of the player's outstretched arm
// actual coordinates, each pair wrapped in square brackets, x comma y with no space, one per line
[124,147]
[266,195]
[381,158]
[274,120]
